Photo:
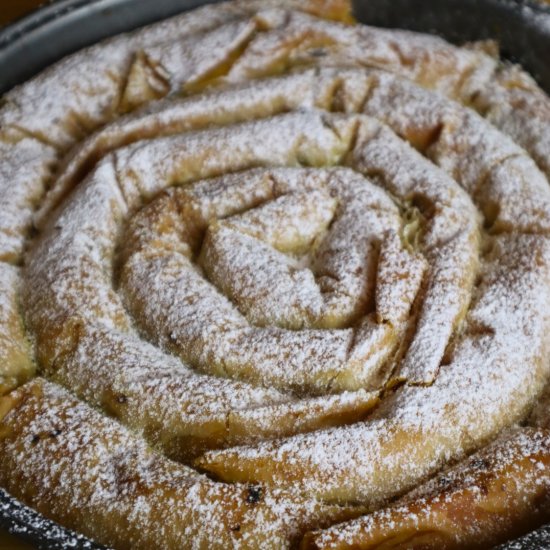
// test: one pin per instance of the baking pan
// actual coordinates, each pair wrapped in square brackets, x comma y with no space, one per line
[521,27]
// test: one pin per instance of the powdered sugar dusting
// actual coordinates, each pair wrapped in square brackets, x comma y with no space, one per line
[505,477]
[241,255]
[71,458]
[241,275]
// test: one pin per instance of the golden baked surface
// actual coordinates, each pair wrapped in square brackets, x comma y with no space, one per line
[264,272]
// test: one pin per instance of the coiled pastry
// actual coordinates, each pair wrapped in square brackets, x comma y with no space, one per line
[308,258]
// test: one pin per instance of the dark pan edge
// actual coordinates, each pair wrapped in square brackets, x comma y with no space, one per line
[75,24]
[521,27]
[536,540]
[29,525]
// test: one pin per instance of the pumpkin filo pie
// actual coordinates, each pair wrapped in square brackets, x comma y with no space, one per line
[270,278]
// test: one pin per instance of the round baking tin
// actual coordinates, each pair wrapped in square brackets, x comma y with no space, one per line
[522,28]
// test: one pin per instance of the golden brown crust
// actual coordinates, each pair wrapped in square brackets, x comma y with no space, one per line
[16,364]
[213,270]
[496,494]
[87,472]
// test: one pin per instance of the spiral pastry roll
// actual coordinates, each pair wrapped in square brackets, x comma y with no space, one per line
[273,270]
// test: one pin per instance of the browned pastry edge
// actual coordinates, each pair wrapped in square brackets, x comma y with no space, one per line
[498,493]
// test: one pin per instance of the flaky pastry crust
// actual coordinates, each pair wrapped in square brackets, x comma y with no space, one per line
[307,257]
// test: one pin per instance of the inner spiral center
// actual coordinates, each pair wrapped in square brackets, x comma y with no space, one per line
[317,260]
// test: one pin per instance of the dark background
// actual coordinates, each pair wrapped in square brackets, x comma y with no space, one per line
[12,9]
